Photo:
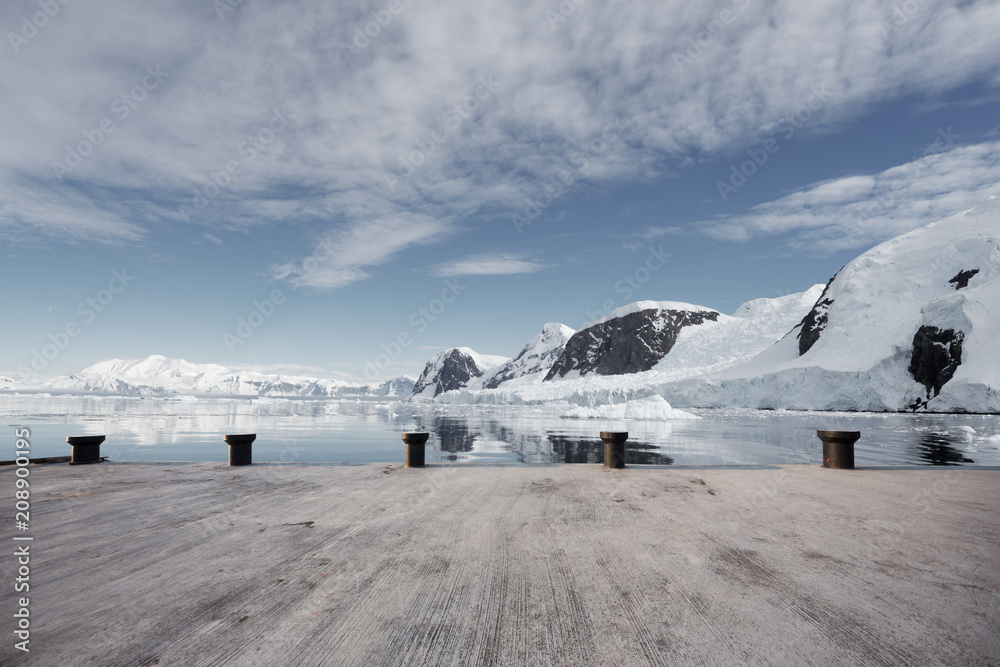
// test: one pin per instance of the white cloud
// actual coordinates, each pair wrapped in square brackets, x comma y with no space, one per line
[28,208]
[861,210]
[356,117]
[342,254]
[657,232]
[486,264]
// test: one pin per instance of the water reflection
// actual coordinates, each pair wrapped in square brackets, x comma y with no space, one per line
[462,438]
[454,434]
[351,430]
[567,449]
[938,449]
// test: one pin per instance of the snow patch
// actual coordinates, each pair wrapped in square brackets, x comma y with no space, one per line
[640,306]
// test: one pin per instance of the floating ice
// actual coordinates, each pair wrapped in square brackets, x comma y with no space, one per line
[651,407]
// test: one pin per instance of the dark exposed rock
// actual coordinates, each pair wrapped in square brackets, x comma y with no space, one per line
[503,375]
[452,372]
[814,322]
[937,354]
[962,278]
[632,343]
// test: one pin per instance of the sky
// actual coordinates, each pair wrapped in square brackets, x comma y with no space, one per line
[344,189]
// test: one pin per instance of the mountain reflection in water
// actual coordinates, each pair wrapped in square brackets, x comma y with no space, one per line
[938,449]
[363,431]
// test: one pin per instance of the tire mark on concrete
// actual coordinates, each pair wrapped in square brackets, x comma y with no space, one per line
[743,566]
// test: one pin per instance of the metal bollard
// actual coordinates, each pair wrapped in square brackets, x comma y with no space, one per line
[614,448]
[240,448]
[415,449]
[86,449]
[838,448]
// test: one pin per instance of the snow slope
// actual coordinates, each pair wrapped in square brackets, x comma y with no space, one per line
[537,356]
[659,306]
[924,303]
[755,326]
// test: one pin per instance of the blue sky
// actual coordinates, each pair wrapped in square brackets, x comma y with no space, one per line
[498,165]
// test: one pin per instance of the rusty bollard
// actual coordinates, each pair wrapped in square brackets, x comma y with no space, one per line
[614,448]
[838,448]
[415,449]
[240,448]
[86,449]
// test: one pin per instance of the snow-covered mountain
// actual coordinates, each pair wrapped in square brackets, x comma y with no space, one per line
[454,368]
[400,386]
[910,325]
[718,342]
[631,339]
[159,376]
[537,356]
[732,339]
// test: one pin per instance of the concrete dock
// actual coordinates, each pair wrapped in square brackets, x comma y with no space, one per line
[202,564]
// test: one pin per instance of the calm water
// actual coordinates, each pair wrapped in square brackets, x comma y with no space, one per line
[353,431]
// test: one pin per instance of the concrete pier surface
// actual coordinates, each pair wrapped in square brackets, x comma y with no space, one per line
[202,564]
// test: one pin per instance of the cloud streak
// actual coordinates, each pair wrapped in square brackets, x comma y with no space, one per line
[487,264]
[864,209]
[342,255]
